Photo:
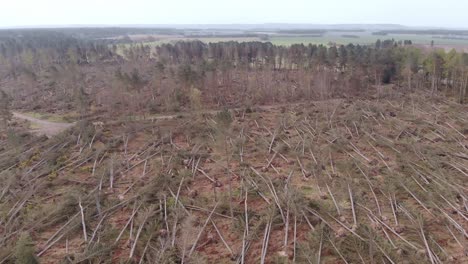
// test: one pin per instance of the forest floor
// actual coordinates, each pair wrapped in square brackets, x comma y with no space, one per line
[41,125]
[338,181]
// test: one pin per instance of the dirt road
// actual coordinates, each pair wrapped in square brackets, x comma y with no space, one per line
[44,127]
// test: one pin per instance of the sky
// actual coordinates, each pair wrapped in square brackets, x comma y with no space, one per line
[433,13]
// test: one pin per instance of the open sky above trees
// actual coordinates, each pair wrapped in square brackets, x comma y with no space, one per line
[433,13]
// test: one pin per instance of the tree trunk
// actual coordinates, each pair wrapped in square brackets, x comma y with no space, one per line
[433,85]
[409,82]
[463,88]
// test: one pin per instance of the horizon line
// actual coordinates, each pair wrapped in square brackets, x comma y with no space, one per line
[187,25]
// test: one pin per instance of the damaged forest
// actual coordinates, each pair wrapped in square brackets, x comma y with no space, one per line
[230,152]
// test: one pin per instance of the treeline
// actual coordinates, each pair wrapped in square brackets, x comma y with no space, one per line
[62,72]
[32,51]
[92,33]
[385,62]
[423,32]
[233,73]
[15,42]
[301,31]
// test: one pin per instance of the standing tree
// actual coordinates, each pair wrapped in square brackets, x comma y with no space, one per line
[157,80]
[434,65]
[5,111]
[81,101]
[411,64]
[195,99]
[464,78]
[452,62]
[378,44]
[224,120]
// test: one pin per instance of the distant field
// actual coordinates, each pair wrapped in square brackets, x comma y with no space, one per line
[340,38]
[365,38]
[203,39]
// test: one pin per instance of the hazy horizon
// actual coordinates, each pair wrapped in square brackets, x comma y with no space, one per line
[50,13]
[266,25]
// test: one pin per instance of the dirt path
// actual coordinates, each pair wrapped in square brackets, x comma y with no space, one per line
[44,127]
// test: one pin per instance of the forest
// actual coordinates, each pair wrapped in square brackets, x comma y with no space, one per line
[226,74]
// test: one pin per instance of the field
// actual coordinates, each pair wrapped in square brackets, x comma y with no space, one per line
[365,38]
[339,38]
[336,181]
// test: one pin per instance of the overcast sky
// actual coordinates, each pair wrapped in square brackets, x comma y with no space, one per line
[443,13]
